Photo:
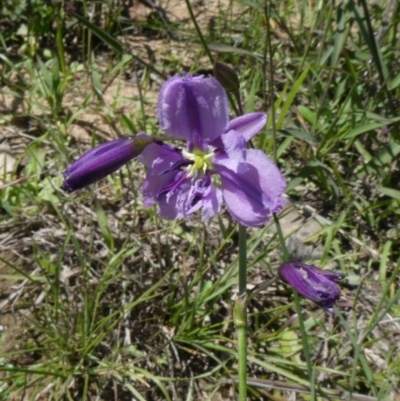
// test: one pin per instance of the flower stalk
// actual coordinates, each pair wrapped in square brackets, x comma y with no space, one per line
[296,301]
[240,314]
[216,166]
[240,307]
[240,321]
[242,259]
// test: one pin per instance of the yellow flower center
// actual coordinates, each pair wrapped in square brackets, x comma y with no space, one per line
[201,162]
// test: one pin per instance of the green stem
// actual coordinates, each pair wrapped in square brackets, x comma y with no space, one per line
[242,259]
[60,42]
[240,112]
[268,45]
[303,332]
[198,30]
[240,320]
[259,287]
[286,256]
[240,315]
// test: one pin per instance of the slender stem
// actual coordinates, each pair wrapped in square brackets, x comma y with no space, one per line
[237,96]
[198,30]
[240,315]
[271,78]
[304,337]
[303,332]
[242,259]
[259,287]
[240,320]
[241,304]
[60,42]
[286,256]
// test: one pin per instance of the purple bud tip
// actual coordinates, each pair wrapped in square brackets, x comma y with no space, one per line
[103,160]
[312,282]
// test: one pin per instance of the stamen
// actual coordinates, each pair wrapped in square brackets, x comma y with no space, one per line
[201,162]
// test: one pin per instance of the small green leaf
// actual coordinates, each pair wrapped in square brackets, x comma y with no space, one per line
[299,134]
[104,227]
[384,263]
[368,127]
[104,36]
[393,193]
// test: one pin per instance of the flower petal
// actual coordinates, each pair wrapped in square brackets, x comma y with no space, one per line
[173,205]
[231,152]
[177,195]
[212,203]
[209,197]
[159,153]
[158,159]
[248,125]
[103,160]
[193,108]
[312,282]
[251,197]
[328,274]
[188,197]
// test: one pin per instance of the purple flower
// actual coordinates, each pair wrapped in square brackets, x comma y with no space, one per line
[103,160]
[181,181]
[312,282]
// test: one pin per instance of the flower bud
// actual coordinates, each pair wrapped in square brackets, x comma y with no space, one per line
[227,77]
[312,282]
[103,160]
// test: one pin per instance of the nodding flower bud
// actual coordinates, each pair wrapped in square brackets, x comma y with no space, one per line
[226,76]
[103,160]
[312,282]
